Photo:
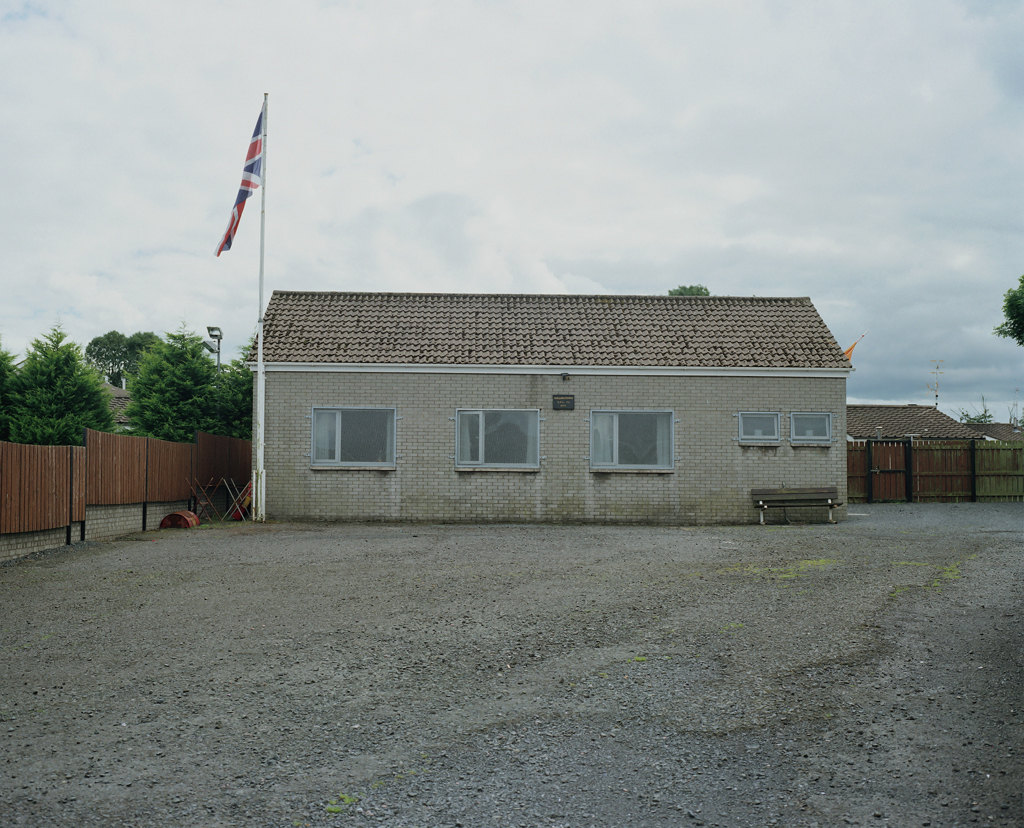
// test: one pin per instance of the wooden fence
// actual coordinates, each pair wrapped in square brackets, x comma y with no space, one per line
[46,487]
[41,487]
[934,471]
[222,458]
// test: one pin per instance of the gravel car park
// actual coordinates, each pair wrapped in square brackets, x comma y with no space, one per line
[867,673]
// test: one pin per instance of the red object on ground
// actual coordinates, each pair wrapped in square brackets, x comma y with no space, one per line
[180,520]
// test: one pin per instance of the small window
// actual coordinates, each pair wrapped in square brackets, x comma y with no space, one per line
[631,439]
[810,427]
[759,427]
[497,438]
[353,437]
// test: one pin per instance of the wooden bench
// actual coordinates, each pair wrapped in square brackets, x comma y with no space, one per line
[808,496]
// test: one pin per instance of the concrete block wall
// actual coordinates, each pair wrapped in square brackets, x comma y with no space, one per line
[25,543]
[710,483]
[106,522]
[101,523]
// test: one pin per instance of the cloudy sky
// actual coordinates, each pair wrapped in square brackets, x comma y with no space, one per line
[866,154]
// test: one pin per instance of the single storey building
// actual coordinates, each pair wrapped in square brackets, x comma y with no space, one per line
[899,422]
[477,408]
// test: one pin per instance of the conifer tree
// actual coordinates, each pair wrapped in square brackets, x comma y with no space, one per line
[172,396]
[234,388]
[6,377]
[55,394]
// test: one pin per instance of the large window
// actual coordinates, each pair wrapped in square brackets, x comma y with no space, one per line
[497,438]
[631,439]
[353,437]
[759,427]
[810,427]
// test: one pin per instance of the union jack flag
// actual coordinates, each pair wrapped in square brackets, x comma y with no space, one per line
[251,180]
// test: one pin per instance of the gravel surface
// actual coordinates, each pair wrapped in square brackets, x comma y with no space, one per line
[868,673]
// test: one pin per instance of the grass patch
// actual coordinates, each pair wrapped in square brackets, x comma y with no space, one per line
[800,569]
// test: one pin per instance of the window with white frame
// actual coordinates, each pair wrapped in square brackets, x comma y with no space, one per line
[810,427]
[502,438]
[353,437]
[759,427]
[631,439]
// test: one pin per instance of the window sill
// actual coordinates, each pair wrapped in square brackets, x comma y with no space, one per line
[810,445]
[602,470]
[761,443]
[520,469]
[318,467]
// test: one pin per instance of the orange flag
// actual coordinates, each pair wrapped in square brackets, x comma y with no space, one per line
[848,353]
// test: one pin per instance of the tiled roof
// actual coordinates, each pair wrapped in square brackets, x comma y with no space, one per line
[999,431]
[119,400]
[497,329]
[897,421]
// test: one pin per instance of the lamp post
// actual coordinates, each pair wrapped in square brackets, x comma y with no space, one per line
[214,348]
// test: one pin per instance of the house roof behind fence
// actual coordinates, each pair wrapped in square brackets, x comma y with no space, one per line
[899,421]
[1007,432]
[497,329]
[119,400]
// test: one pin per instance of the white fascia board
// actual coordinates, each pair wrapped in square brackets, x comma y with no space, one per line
[551,370]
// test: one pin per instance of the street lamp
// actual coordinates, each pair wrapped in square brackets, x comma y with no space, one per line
[214,346]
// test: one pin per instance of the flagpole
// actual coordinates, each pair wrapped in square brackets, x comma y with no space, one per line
[261,378]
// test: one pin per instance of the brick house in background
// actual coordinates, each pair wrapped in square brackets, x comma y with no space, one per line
[453,407]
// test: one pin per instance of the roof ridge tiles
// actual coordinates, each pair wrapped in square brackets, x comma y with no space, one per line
[572,296]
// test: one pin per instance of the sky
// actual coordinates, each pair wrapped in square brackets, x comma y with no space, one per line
[866,154]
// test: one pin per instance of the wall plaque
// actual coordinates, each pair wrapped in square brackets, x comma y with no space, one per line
[563,402]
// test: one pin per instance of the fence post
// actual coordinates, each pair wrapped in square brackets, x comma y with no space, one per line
[194,506]
[870,486]
[85,444]
[974,471]
[908,461]
[71,491]
[145,488]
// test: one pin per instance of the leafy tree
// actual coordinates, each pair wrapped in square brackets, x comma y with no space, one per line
[138,343]
[117,355]
[56,394]
[172,396]
[107,354]
[234,387]
[689,290]
[6,377]
[980,417]
[1013,310]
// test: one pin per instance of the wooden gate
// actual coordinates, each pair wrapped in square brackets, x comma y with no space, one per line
[887,463]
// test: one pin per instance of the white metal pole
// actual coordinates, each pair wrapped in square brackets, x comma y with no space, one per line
[261,379]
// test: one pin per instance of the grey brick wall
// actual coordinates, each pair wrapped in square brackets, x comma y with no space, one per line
[711,481]
[25,543]
[106,522]
[101,523]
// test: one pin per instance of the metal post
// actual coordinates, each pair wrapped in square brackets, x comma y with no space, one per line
[261,481]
